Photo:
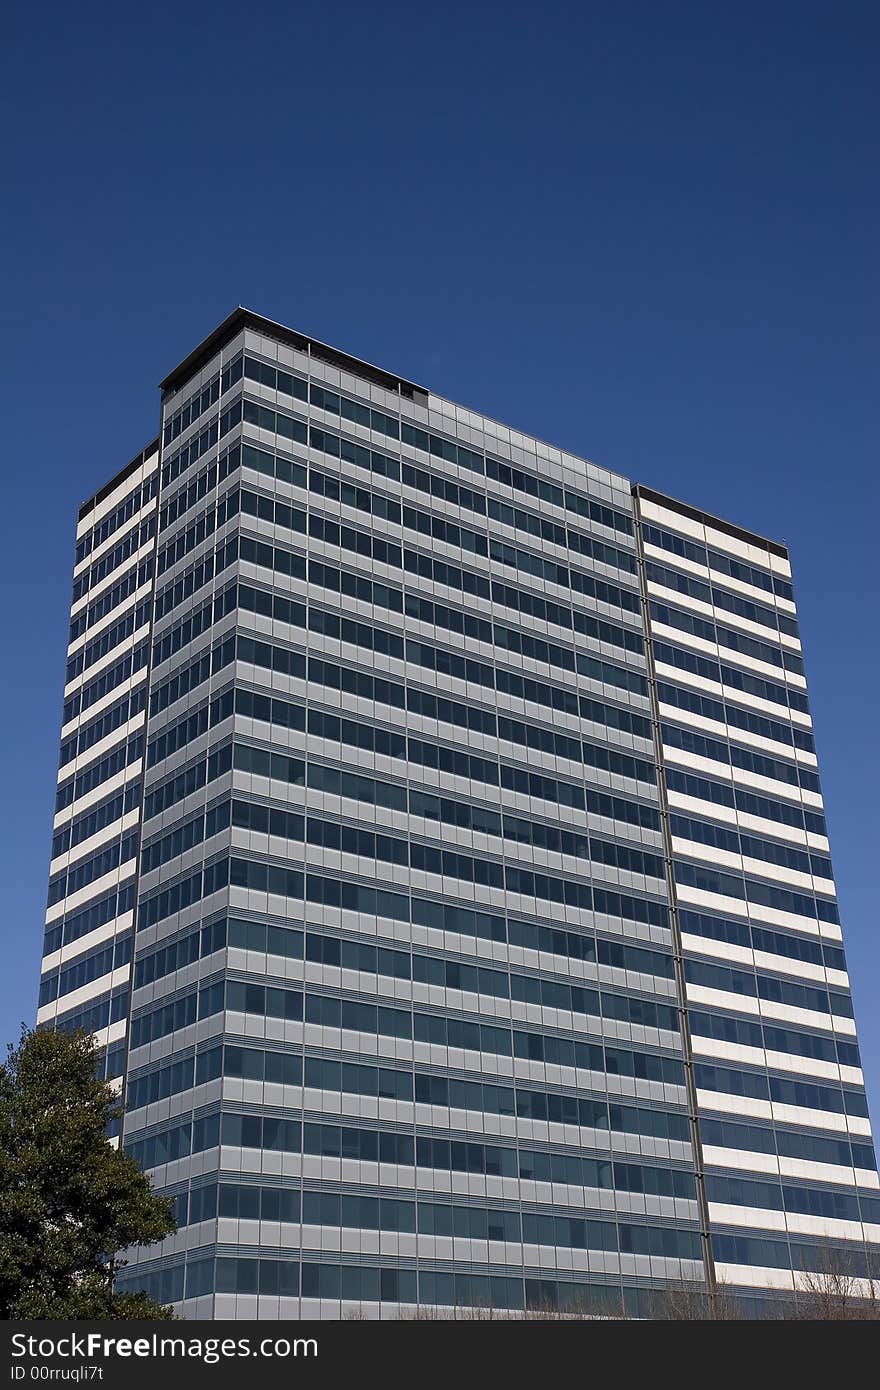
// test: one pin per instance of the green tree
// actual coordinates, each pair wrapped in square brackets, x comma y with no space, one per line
[69,1200]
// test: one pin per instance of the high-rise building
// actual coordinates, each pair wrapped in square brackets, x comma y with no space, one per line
[439,853]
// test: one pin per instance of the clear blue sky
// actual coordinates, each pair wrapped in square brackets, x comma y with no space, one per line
[644,231]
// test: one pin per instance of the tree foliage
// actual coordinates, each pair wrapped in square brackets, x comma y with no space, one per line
[69,1201]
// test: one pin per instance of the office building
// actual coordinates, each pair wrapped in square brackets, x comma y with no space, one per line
[439,853]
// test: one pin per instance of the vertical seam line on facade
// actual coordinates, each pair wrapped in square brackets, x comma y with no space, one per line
[678,950]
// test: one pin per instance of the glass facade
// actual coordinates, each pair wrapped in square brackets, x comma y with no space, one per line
[790,1172]
[460,935]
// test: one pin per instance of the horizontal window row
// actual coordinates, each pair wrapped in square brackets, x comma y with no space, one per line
[197,447]
[269,878]
[182,950]
[210,521]
[279,514]
[784,1090]
[89,823]
[185,836]
[77,924]
[163,795]
[514,478]
[722,563]
[272,1001]
[190,411]
[422,1151]
[361,898]
[447,973]
[335,404]
[103,861]
[481,629]
[331,532]
[440,529]
[331,624]
[347,494]
[111,637]
[281,1135]
[550,571]
[788,1143]
[425,1088]
[744,758]
[548,611]
[199,402]
[793,1197]
[369,1284]
[448,663]
[112,559]
[588,507]
[378,792]
[114,520]
[91,777]
[425,805]
[442,571]
[534,936]
[709,880]
[175,737]
[197,575]
[428,1089]
[295,771]
[717,597]
[193,1136]
[330,949]
[98,1013]
[750,846]
[467,716]
[182,894]
[187,678]
[707,668]
[183,1073]
[200,443]
[738,798]
[746,1033]
[134,661]
[204,482]
[393,849]
[758,938]
[332,1011]
[339,489]
[857,1261]
[276,1278]
[530,1228]
[197,621]
[373,738]
[515,640]
[96,729]
[111,1065]
[91,966]
[196,1004]
[249,1202]
[351,1210]
[724,713]
[760,986]
[99,608]
[451,533]
[287,384]
[565,537]
[320,672]
[727,637]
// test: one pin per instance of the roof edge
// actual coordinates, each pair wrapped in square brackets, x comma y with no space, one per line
[92,502]
[241,318]
[707,519]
